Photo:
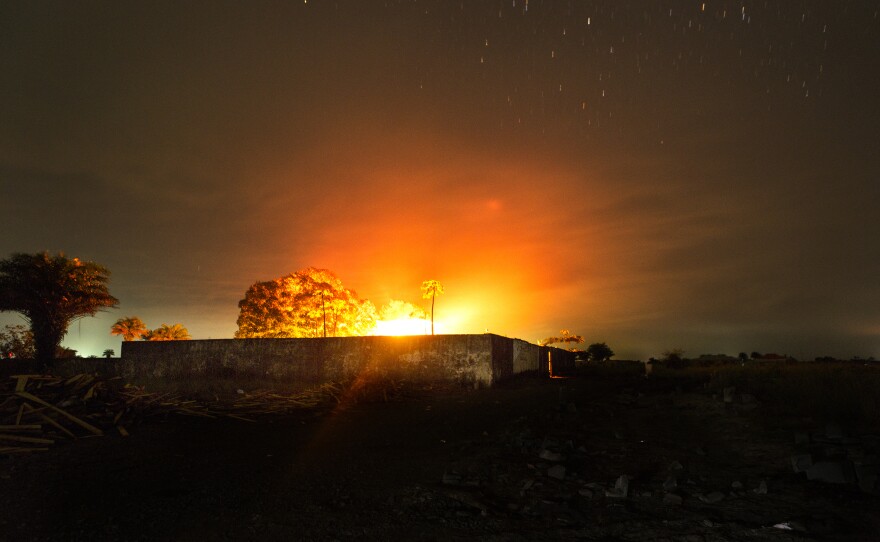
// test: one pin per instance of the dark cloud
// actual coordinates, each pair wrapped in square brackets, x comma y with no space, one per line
[653,175]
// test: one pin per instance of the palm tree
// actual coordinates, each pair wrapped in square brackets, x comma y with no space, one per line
[131,328]
[174,332]
[430,290]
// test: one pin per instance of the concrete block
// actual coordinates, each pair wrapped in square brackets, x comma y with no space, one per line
[713,497]
[620,489]
[801,462]
[556,471]
[549,455]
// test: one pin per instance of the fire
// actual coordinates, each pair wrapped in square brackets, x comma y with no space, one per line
[403,326]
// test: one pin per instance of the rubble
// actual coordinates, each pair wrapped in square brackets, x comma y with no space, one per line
[38,411]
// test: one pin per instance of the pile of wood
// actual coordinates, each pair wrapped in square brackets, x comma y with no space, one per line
[37,411]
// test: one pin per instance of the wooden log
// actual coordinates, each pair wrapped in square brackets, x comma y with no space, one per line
[22,427]
[50,421]
[31,440]
[85,425]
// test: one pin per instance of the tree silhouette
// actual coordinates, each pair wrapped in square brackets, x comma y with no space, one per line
[430,290]
[131,328]
[599,352]
[51,292]
[109,353]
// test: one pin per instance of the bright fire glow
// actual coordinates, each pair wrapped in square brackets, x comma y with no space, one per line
[404,326]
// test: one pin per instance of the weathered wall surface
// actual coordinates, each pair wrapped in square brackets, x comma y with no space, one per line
[477,360]
[526,357]
[466,359]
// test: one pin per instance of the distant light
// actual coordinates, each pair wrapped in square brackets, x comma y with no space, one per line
[402,326]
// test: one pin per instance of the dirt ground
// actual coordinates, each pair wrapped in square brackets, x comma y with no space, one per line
[531,459]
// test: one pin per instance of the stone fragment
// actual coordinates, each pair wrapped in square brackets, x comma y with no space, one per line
[790,526]
[832,472]
[670,483]
[586,492]
[675,465]
[713,497]
[700,450]
[672,498]
[729,393]
[737,485]
[556,471]
[550,455]
[761,489]
[801,462]
[620,489]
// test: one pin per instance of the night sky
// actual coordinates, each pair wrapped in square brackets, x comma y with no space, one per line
[701,175]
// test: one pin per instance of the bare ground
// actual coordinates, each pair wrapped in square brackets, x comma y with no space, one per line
[531,459]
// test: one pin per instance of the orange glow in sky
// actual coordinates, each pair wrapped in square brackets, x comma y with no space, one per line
[486,227]
[405,326]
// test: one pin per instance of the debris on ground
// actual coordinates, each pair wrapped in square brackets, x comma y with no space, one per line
[37,411]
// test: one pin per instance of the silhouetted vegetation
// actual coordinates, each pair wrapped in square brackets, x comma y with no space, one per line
[16,341]
[599,352]
[430,290]
[51,292]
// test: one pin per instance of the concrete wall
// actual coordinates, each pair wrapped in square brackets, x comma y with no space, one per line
[478,360]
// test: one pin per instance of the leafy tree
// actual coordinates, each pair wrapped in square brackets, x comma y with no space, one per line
[131,328]
[16,341]
[308,303]
[756,355]
[109,353]
[51,292]
[599,352]
[430,290]
[174,332]
[566,337]
[743,356]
